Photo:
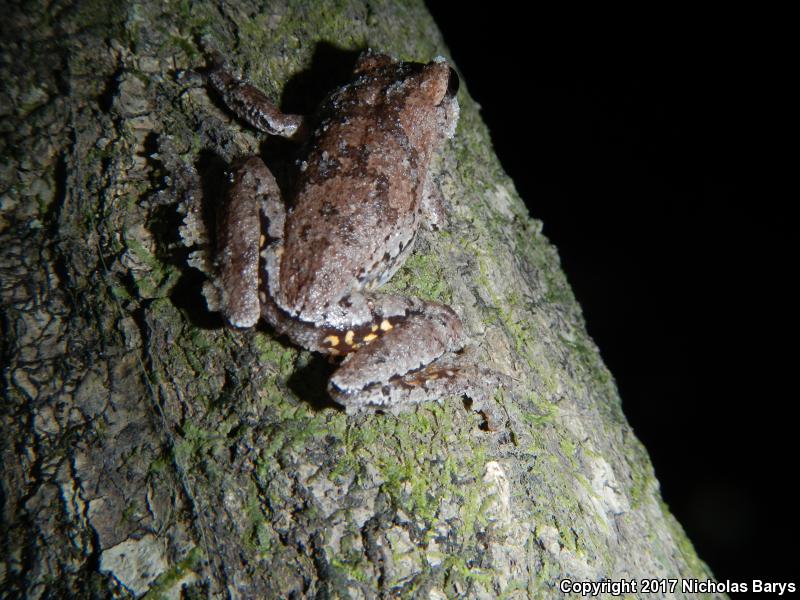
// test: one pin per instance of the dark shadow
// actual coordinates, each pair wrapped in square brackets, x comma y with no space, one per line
[310,381]
[331,67]
[212,170]
[105,99]
[187,295]
[208,187]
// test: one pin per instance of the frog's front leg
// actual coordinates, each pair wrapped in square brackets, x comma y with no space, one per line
[253,106]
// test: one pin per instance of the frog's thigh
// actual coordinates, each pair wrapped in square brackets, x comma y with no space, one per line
[252,209]
[425,334]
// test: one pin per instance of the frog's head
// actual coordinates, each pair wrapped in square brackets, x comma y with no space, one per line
[440,82]
[425,90]
[437,80]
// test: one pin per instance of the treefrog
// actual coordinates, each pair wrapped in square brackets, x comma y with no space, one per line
[311,267]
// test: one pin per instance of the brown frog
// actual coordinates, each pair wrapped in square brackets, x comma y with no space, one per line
[361,193]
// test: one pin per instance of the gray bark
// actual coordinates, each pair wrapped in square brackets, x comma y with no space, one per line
[148,450]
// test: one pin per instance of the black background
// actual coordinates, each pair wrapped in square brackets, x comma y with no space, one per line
[650,151]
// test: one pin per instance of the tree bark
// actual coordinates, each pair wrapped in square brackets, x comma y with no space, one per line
[146,449]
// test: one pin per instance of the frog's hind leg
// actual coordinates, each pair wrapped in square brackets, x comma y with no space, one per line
[251,217]
[397,352]
[411,358]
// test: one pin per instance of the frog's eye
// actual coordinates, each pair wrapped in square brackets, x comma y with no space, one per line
[452,83]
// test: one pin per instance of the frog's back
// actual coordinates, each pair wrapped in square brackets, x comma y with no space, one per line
[358,197]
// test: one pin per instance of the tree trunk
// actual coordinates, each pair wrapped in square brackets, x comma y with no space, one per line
[147,449]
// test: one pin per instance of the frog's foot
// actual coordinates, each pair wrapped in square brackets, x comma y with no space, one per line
[408,359]
[452,374]
[397,352]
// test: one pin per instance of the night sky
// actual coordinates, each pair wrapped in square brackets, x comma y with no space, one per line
[651,159]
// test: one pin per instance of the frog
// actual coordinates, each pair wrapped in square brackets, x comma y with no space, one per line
[311,265]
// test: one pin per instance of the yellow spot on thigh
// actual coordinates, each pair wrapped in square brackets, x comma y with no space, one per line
[348,337]
[374,328]
[385,325]
[369,337]
[261,241]
[333,340]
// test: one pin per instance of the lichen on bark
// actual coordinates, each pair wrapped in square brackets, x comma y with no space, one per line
[146,449]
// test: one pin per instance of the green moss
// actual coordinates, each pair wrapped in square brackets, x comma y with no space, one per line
[457,565]
[280,356]
[128,513]
[351,569]
[260,539]
[120,293]
[640,484]
[160,465]
[642,477]
[158,279]
[163,586]
[344,465]
[587,355]
[567,445]
[422,276]
[545,415]
[473,147]
[196,445]
[513,589]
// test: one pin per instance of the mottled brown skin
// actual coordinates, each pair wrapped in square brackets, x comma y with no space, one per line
[238,236]
[361,195]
